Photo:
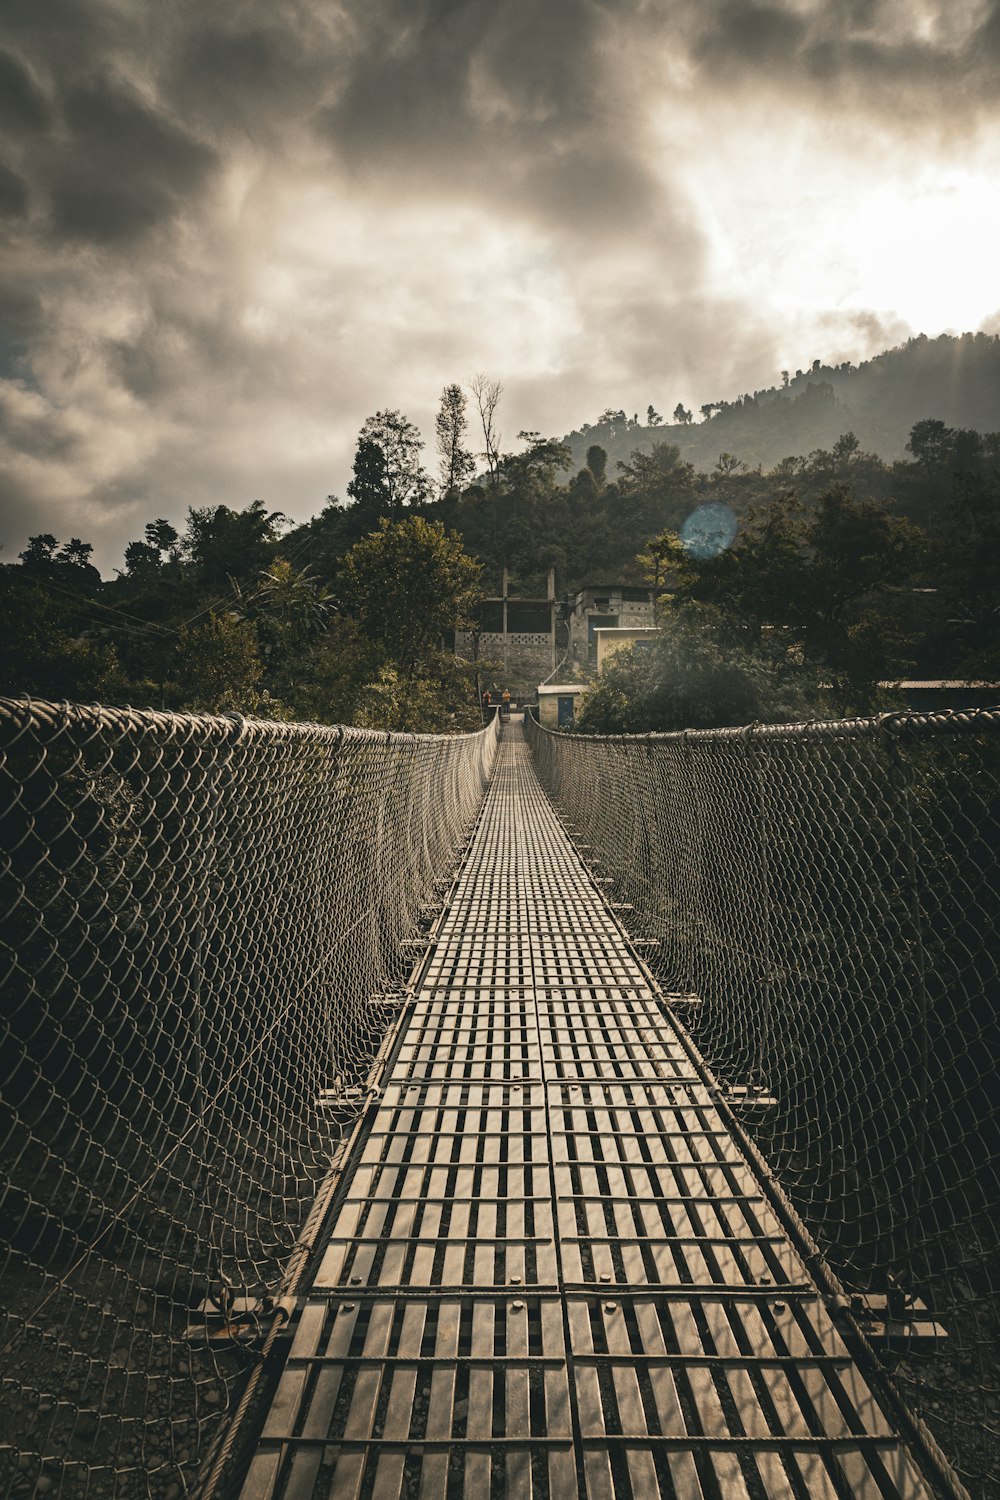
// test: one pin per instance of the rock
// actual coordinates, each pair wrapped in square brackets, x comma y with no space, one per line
[86,1427]
[172,1491]
[212,1397]
[43,1485]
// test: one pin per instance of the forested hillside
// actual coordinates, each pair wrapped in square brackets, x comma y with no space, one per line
[956,380]
[855,567]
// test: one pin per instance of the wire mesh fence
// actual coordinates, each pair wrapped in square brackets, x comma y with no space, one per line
[825,901]
[203,920]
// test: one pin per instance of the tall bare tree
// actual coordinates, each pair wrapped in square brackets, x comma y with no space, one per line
[487,394]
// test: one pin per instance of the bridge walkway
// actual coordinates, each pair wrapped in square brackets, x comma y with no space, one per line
[550,1271]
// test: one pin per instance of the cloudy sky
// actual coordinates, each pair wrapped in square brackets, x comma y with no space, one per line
[234,230]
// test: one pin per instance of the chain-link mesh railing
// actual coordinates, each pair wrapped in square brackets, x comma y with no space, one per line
[202,922]
[826,900]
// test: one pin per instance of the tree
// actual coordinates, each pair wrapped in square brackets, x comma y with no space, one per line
[75,553]
[457,465]
[682,416]
[142,560]
[71,565]
[487,394]
[653,418]
[408,584]
[368,488]
[445,702]
[938,448]
[388,454]
[333,673]
[846,449]
[822,585]
[218,665]
[662,559]
[163,537]
[294,603]
[40,550]
[597,463]
[224,543]
[656,489]
[45,649]
[614,421]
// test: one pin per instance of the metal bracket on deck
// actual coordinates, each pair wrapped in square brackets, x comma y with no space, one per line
[895,1318]
[749,1096]
[390,999]
[228,1320]
[340,1098]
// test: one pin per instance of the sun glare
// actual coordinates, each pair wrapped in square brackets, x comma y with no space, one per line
[802,228]
[929,255]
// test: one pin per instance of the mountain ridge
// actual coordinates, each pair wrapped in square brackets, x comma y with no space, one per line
[951,378]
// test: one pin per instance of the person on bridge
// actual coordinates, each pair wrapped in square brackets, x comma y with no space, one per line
[505,700]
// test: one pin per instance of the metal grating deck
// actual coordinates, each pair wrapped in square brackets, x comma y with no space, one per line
[551,1272]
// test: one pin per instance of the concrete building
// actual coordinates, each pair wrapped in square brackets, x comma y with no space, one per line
[519,634]
[559,703]
[612,638]
[609,606]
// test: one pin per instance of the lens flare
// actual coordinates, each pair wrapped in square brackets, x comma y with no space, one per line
[709,530]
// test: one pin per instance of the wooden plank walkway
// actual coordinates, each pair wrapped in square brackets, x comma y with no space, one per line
[550,1271]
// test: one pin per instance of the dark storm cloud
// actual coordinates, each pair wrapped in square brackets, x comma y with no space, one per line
[21,310]
[935,65]
[23,106]
[127,168]
[13,194]
[254,74]
[512,105]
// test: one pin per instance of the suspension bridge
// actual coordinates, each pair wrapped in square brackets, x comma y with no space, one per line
[552,1270]
[511,1227]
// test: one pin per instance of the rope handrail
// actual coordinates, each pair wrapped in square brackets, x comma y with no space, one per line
[899,722]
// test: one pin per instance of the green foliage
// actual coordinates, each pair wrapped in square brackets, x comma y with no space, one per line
[224,543]
[408,584]
[457,464]
[824,586]
[43,650]
[218,666]
[387,472]
[330,677]
[953,379]
[441,699]
[697,674]
[291,605]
